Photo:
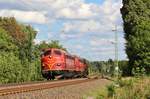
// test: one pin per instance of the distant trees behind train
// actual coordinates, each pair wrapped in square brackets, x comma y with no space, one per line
[108,67]
[52,44]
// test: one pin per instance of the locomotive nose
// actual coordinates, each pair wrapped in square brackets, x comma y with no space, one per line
[45,59]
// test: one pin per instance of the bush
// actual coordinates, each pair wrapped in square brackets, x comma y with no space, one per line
[10,68]
[139,72]
[125,83]
[99,96]
[111,90]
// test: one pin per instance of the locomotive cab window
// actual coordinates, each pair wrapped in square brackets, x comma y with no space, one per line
[47,53]
[82,61]
[69,57]
[56,52]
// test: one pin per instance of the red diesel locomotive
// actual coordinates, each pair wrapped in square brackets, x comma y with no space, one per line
[59,63]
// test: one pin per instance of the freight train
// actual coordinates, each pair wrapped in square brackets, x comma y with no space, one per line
[57,63]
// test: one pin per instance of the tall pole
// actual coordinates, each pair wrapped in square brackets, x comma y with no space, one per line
[116,50]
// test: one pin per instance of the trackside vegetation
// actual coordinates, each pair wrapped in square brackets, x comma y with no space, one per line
[19,55]
[126,88]
[16,42]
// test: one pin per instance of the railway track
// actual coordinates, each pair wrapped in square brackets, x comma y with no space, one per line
[6,90]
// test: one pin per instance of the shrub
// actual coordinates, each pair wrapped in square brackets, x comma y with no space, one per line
[125,83]
[10,68]
[139,72]
[111,90]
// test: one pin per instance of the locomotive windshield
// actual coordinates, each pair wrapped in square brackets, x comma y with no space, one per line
[56,52]
[47,53]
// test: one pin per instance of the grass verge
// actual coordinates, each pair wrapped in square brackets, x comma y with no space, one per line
[130,88]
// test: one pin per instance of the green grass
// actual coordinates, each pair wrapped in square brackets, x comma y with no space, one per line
[126,88]
[98,93]
[134,89]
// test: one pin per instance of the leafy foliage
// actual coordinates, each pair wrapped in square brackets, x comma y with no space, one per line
[130,88]
[13,29]
[108,67]
[52,44]
[111,90]
[19,56]
[10,68]
[17,52]
[6,43]
[136,17]
[124,67]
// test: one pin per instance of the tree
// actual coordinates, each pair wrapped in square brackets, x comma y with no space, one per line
[56,44]
[22,35]
[10,65]
[6,42]
[123,66]
[10,68]
[111,67]
[27,48]
[17,51]
[13,29]
[136,18]
[52,44]
[19,57]
[43,45]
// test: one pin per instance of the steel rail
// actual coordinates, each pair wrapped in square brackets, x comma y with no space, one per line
[39,86]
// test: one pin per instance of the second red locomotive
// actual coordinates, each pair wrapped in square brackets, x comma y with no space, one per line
[57,62]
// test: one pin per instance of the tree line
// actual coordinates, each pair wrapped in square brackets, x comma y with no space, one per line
[19,55]
[107,68]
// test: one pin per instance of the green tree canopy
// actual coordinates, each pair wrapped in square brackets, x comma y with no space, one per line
[52,44]
[16,52]
[136,18]
[6,43]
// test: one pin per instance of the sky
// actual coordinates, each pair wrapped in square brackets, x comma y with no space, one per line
[84,27]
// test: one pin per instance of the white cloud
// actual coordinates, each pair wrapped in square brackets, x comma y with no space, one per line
[37,29]
[76,9]
[62,8]
[102,53]
[105,15]
[7,1]
[37,41]
[79,11]
[25,16]
[84,26]
[50,35]
[102,18]
[101,42]
[102,49]
[65,36]
[77,47]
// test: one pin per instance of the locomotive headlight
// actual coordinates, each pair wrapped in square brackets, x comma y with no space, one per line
[58,64]
[50,56]
[43,65]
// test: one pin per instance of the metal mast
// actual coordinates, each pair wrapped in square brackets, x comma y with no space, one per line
[116,50]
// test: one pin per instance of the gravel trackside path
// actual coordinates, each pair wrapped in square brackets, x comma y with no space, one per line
[66,92]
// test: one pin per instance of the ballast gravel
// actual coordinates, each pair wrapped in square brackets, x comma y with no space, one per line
[77,91]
